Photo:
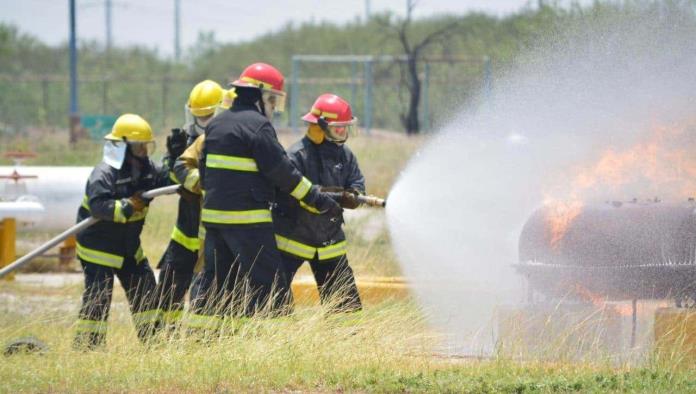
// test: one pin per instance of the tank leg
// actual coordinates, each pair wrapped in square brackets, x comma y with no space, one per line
[634,320]
[530,293]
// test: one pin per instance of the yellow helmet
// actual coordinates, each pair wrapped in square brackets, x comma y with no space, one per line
[132,127]
[205,98]
[228,99]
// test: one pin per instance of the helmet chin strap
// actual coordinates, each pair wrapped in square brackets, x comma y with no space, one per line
[323,124]
[262,105]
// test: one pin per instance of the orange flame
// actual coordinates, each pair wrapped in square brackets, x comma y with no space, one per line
[600,302]
[559,217]
[663,164]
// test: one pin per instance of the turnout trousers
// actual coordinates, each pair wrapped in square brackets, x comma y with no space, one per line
[137,280]
[178,261]
[243,276]
[335,281]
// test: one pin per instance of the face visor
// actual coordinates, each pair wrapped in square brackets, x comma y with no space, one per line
[338,132]
[273,100]
[142,149]
[188,116]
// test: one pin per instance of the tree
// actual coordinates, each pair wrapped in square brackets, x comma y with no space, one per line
[414,52]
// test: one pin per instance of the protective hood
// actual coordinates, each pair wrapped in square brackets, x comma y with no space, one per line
[115,153]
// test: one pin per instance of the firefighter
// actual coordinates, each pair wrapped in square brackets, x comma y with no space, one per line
[242,164]
[179,259]
[186,170]
[112,245]
[302,233]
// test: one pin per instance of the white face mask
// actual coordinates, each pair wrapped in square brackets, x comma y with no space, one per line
[115,153]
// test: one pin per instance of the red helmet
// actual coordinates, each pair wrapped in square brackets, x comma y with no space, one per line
[268,79]
[261,75]
[334,115]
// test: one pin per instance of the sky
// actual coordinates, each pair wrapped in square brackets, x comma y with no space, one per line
[150,23]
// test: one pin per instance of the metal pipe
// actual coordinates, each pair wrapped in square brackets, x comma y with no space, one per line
[294,93]
[107,9]
[367,120]
[22,210]
[74,105]
[426,97]
[74,230]
[177,30]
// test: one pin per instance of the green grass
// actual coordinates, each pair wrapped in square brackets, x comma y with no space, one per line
[386,348]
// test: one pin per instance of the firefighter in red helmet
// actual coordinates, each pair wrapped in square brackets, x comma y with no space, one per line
[304,234]
[242,165]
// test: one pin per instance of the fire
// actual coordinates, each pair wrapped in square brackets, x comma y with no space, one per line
[662,164]
[559,217]
[600,302]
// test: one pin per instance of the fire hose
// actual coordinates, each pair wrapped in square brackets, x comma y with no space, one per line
[74,230]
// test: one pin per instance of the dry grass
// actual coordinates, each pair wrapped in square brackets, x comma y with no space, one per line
[386,348]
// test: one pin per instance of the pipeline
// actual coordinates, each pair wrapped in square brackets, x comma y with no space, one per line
[74,230]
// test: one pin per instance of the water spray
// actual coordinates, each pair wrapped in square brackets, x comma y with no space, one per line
[597,87]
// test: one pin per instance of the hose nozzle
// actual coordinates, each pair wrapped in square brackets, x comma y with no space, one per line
[373,201]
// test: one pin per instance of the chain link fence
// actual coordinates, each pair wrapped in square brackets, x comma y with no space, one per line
[375,87]
[43,101]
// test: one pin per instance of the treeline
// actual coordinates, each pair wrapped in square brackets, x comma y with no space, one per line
[34,88]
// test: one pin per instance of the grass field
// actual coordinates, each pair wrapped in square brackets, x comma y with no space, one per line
[386,348]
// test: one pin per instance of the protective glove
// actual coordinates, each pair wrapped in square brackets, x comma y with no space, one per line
[349,199]
[176,144]
[138,202]
[325,204]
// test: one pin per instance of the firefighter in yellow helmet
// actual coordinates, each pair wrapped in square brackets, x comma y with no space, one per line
[177,264]
[112,246]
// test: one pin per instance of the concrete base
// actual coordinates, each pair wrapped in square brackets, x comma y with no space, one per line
[372,290]
[558,331]
[675,335]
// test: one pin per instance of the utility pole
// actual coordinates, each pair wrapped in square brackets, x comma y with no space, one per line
[177,29]
[367,10]
[109,37]
[74,111]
